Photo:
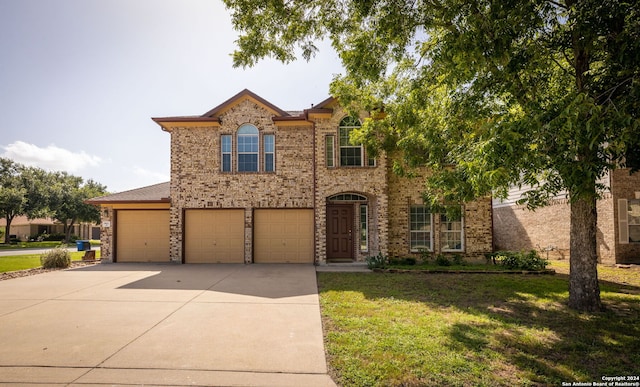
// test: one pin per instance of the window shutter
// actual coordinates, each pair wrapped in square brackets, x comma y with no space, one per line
[623,221]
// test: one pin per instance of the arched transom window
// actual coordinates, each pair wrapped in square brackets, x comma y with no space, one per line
[248,148]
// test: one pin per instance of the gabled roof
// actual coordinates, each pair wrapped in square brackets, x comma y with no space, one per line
[157,193]
[279,115]
[244,94]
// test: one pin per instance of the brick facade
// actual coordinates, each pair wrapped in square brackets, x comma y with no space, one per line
[516,228]
[302,180]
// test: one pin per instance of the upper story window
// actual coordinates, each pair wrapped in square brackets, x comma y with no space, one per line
[350,155]
[253,153]
[226,149]
[248,140]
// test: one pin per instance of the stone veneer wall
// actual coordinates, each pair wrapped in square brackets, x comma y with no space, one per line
[405,192]
[106,234]
[624,186]
[197,182]
[368,181]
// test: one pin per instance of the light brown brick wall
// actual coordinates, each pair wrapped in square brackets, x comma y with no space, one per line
[405,192]
[517,228]
[367,181]
[197,182]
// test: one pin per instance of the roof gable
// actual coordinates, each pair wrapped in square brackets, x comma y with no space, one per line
[245,94]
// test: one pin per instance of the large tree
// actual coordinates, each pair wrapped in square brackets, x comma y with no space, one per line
[12,194]
[488,94]
[66,200]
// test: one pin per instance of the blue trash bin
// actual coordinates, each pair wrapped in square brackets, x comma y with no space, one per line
[83,245]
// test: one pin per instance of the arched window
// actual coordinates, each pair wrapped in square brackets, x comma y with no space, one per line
[248,148]
[347,197]
[350,155]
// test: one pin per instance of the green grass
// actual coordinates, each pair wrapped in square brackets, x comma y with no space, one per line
[30,261]
[39,245]
[385,329]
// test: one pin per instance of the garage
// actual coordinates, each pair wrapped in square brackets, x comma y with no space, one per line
[283,236]
[213,236]
[142,236]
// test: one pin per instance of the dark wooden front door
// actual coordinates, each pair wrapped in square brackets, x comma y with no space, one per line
[339,231]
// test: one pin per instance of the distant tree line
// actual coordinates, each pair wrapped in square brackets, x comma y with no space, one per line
[36,193]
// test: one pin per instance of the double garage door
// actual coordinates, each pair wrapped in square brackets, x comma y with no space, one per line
[218,236]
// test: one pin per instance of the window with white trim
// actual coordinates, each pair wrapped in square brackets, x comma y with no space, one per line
[269,152]
[364,233]
[329,151]
[350,155]
[420,226]
[248,148]
[226,141]
[451,232]
[629,220]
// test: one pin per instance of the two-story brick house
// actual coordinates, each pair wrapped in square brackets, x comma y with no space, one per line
[251,183]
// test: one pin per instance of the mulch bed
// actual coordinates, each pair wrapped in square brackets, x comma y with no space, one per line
[38,270]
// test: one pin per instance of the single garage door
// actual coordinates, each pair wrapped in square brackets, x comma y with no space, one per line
[283,236]
[214,236]
[142,236]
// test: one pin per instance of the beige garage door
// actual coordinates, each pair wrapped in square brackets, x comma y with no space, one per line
[214,236]
[283,236]
[142,236]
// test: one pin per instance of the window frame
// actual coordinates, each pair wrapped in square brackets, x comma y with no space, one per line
[444,222]
[253,136]
[413,232]
[633,221]
[224,153]
[330,145]
[265,152]
[348,124]
[364,227]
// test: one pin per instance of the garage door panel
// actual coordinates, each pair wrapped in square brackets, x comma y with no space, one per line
[142,236]
[214,236]
[283,235]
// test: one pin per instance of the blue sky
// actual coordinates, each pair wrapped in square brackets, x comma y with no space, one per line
[81,79]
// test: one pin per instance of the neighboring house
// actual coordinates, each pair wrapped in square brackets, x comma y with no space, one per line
[253,183]
[547,228]
[26,229]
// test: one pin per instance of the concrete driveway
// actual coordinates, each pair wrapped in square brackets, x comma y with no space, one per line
[181,325]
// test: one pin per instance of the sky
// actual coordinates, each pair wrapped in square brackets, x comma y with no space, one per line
[81,79]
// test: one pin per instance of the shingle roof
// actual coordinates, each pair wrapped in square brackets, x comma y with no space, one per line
[157,193]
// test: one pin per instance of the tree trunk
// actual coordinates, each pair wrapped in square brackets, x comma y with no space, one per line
[7,230]
[584,290]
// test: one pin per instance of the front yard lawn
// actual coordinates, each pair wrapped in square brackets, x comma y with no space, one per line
[30,261]
[385,329]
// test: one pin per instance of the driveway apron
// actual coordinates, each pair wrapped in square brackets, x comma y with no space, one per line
[151,324]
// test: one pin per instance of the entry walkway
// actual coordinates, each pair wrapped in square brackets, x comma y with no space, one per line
[179,325]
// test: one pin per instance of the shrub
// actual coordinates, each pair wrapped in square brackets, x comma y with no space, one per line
[379,261]
[520,260]
[458,260]
[441,260]
[56,258]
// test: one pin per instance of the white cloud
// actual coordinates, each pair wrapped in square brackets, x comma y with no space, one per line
[51,158]
[150,176]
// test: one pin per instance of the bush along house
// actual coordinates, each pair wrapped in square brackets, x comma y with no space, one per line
[251,183]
